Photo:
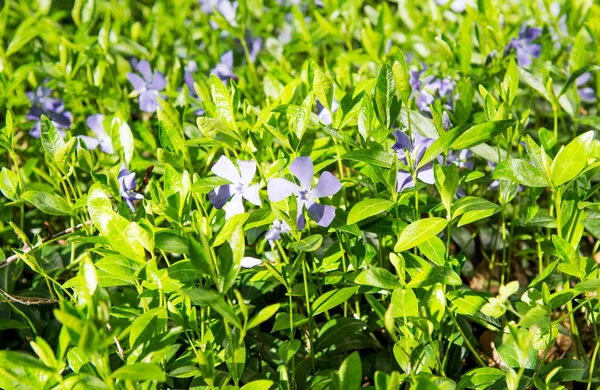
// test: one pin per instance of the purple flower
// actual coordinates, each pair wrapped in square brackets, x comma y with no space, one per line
[457,6]
[127,187]
[416,149]
[148,86]
[224,69]
[524,46]
[256,45]
[328,185]
[462,159]
[276,230]
[188,76]
[586,94]
[427,89]
[102,139]
[54,109]
[325,115]
[225,7]
[239,188]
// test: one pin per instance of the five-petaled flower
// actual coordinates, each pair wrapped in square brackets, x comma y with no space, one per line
[277,228]
[43,104]
[149,86]
[524,46]
[415,150]
[102,139]
[328,185]
[239,188]
[427,89]
[224,69]
[127,187]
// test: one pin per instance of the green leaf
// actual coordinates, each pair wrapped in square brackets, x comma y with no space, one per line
[385,97]
[9,183]
[575,75]
[126,237]
[300,120]
[288,349]
[480,133]
[405,303]
[119,126]
[147,325]
[260,384]
[378,277]
[51,139]
[323,88]
[520,171]
[480,378]
[171,242]
[365,117]
[377,158]
[402,79]
[263,315]
[572,159]
[22,371]
[331,299]
[441,145]
[138,372]
[216,302]
[308,244]
[429,277]
[222,102]
[48,203]
[418,232]
[116,270]
[350,372]
[367,208]
[227,230]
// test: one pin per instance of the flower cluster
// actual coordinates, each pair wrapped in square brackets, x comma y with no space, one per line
[43,104]
[149,86]
[524,45]
[426,89]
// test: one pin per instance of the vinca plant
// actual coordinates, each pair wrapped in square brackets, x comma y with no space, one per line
[289,194]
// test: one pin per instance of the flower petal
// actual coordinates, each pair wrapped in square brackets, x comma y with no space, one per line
[425,174]
[303,169]
[234,207]
[249,262]
[149,101]
[159,83]
[279,189]
[251,195]
[90,142]
[403,181]
[224,168]
[219,196]
[328,185]
[247,171]
[300,220]
[144,68]
[138,83]
[322,214]
[95,123]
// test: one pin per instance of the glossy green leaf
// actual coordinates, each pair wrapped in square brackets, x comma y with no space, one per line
[481,133]
[367,208]
[418,232]
[48,203]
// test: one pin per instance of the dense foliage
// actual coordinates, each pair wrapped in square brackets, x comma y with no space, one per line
[299,195]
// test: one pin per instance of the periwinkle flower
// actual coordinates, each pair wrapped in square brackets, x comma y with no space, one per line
[277,228]
[427,89]
[225,7]
[328,185]
[127,186]
[102,139]
[188,76]
[524,46]
[416,150]
[586,94]
[224,69]
[462,158]
[239,188]
[457,6]
[250,262]
[325,115]
[149,86]
[43,104]
[256,45]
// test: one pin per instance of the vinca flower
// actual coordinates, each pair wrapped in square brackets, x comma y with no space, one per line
[324,115]
[462,158]
[43,104]
[415,149]
[127,186]
[586,94]
[224,69]
[524,46]
[148,87]
[277,228]
[102,139]
[306,196]
[239,188]
[426,90]
[188,76]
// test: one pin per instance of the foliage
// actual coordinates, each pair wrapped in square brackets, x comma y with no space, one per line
[263,194]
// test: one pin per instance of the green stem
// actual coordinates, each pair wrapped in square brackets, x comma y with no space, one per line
[467,342]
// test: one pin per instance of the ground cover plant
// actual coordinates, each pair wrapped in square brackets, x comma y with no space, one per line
[287,194]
